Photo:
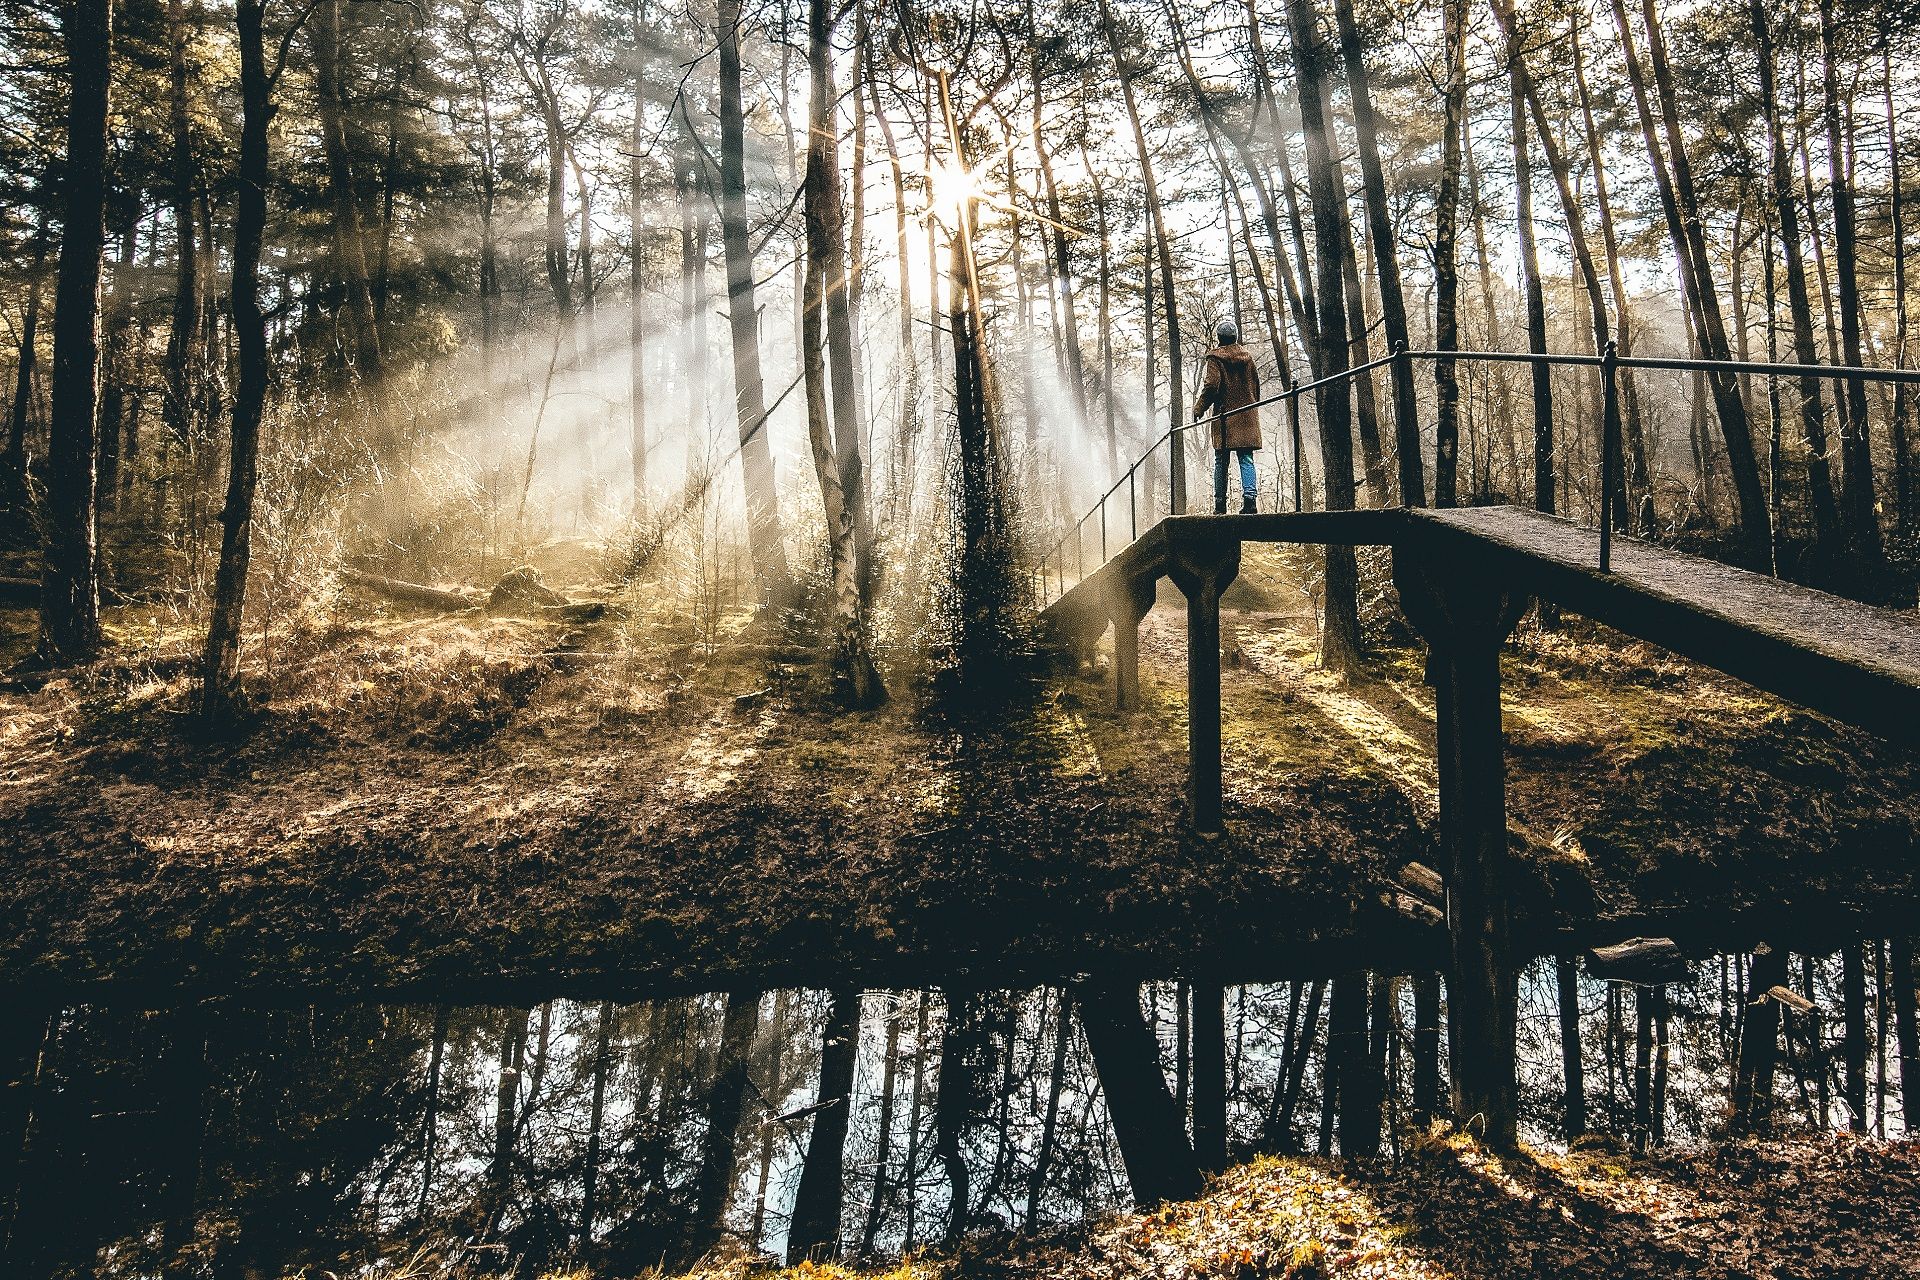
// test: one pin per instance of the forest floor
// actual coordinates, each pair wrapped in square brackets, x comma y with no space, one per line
[1816,1207]
[476,805]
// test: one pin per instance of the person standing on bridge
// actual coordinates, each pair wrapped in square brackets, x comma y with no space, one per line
[1229,388]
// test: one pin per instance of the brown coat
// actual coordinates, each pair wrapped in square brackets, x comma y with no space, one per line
[1230,385]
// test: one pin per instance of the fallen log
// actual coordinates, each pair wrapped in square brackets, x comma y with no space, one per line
[1424,883]
[1414,910]
[1647,961]
[412,593]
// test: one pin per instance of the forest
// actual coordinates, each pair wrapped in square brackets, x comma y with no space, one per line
[548,725]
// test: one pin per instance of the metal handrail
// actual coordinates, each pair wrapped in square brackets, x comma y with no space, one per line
[1608,361]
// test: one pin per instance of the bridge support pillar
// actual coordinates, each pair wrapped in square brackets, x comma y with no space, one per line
[1128,600]
[1465,616]
[1203,566]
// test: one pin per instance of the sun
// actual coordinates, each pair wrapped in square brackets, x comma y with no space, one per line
[949,187]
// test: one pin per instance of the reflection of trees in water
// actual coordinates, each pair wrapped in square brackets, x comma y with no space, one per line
[340,1137]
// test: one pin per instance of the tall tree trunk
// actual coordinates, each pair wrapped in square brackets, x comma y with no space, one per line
[1826,520]
[1679,205]
[1530,285]
[489,273]
[1426,1047]
[70,574]
[1858,501]
[836,449]
[1061,261]
[692,290]
[1209,1030]
[1573,1074]
[883,1138]
[985,585]
[1182,1048]
[220,660]
[430,1124]
[1657,1110]
[506,1097]
[1108,401]
[1853,1045]
[813,1232]
[1906,494]
[1359,349]
[583,256]
[830,235]
[911,1176]
[1153,1142]
[1804,123]
[902,258]
[1218,133]
[953,1106]
[1906,1033]
[1350,1067]
[1642,1067]
[349,241]
[1293,1077]
[20,411]
[1393,307]
[406,72]
[1300,295]
[1125,68]
[637,443]
[1341,644]
[1559,164]
[1446,273]
[743,318]
[1639,477]
[183,337]
[596,1112]
[726,1100]
[1050,1121]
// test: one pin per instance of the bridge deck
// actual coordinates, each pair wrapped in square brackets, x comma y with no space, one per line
[1836,656]
[1852,661]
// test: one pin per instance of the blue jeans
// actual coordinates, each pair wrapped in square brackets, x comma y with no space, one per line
[1249,483]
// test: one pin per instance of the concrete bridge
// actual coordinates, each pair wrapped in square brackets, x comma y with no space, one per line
[1464,578]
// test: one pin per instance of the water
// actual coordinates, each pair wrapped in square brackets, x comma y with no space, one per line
[364,1138]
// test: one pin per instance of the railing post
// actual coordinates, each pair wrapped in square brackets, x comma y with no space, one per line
[1133,505]
[1177,472]
[1080,548]
[1103,531]
[1293,424]
[1609,445]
